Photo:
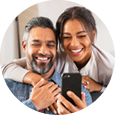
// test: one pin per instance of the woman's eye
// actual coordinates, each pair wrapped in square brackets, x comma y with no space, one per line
[66,37]
[82,36]
[51,46]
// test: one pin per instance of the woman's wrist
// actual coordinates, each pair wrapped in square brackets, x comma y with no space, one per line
[99,88]
[31,78]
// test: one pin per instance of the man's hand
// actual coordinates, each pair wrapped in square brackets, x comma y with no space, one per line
[70,108]
[53,108]
[90,84]
[44,95]
[33,79]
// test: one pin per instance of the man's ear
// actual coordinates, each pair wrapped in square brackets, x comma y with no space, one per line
[24,46]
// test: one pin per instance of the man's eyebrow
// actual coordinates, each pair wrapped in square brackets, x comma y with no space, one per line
[51,41]
[35,40]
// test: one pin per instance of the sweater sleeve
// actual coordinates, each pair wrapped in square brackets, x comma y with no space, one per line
[15,70]
[30,104]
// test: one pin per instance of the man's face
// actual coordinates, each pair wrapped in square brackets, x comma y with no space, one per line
[40,50]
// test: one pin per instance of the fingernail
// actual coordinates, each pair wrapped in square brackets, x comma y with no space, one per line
[55,112]
[42,79]
[69,92]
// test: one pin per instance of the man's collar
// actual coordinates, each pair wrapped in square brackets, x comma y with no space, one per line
[56,78]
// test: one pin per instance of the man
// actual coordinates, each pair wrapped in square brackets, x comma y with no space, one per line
[40,44]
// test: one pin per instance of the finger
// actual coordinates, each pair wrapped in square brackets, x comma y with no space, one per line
[39,84]
[53,109]
[84,81]
[57,91]
[76,99]
[53,87]
[83,98]
[66,103]
[47,108]
[55,105]
[86,87]
[61,109]
[49,84]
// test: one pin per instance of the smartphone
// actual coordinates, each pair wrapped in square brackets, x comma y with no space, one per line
[71,82]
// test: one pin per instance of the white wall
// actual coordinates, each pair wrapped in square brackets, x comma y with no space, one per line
[51,9]
[9,47]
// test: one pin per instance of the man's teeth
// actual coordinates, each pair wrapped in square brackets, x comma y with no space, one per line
[41,58]
[76,51]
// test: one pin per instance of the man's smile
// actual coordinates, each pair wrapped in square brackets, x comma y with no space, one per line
[42,59]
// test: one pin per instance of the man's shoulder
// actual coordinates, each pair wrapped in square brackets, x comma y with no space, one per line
[12,83]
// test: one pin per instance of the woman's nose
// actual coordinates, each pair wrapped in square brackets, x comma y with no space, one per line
[74,41]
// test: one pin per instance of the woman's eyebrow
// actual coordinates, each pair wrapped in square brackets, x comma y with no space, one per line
[77,33]
[66,33]
[81,32]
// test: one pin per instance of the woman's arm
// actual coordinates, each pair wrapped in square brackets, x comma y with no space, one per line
[91,85]
[16,71]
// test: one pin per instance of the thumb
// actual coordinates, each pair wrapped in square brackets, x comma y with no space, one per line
[39,84]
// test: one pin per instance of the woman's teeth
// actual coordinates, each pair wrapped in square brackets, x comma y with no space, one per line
[76,51]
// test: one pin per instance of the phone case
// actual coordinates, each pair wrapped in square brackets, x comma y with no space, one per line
[71,82]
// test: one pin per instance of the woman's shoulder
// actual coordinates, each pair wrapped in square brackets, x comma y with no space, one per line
[103,58]
[60,61]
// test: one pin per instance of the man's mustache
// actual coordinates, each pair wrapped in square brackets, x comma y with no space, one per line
[41,55]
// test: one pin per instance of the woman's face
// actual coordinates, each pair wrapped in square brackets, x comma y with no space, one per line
[76,41]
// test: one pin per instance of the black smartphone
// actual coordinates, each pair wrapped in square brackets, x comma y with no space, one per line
[71,82]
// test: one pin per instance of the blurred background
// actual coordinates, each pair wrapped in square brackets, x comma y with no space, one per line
[11,45]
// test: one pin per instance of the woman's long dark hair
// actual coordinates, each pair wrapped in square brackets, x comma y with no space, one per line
[80,13]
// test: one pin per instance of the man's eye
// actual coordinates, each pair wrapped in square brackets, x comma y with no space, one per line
[35,44]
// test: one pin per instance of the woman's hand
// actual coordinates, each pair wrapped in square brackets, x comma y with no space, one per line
[90,84]
[70,108]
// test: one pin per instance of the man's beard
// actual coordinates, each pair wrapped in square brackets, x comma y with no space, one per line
[41,69]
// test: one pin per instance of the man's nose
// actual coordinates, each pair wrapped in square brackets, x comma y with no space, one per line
[43,50]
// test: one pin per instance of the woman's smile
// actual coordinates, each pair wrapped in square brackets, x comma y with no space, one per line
[76,41]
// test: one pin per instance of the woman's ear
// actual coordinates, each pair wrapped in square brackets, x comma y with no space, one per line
[94,34]
[24,46]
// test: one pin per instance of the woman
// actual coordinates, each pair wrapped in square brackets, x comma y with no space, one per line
[76,30]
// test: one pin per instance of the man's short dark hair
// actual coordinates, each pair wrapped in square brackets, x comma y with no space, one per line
[38,22]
